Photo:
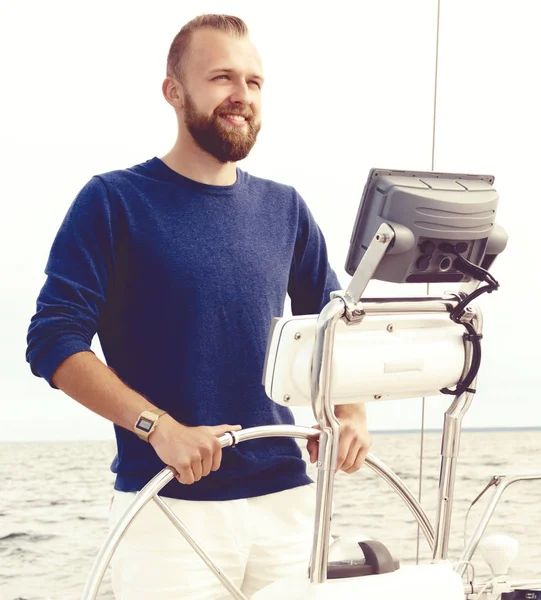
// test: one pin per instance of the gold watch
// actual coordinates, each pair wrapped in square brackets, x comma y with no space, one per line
[146,423]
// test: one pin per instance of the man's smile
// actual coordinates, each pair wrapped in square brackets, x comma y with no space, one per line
[236,120]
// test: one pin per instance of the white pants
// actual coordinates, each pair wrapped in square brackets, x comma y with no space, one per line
[255,541]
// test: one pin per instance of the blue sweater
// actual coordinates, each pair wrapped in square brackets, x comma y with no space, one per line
[181,280]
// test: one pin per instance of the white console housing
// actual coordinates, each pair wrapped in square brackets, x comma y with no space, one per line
[382,358]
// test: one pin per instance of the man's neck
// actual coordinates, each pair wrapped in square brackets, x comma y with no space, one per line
[196,164]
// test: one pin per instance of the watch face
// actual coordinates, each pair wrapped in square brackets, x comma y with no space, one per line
[144,424]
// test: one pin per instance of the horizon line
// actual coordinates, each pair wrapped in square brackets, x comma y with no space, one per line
[372,432]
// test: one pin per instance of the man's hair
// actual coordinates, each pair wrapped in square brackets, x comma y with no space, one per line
[176,58]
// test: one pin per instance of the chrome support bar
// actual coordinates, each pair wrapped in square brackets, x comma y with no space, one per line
[223,578]
[428,304]
[450,446]
[392,306]
[502,482]
[449,455]
[328,438]
[369,263]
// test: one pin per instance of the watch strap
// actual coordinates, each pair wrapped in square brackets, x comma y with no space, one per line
[146,423]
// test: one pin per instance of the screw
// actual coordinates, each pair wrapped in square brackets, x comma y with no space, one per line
[298,336]
[382,237]
[287,398]
[390,328]
[319,463]
[377,396]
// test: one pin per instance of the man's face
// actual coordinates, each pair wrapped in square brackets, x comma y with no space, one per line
[222,94]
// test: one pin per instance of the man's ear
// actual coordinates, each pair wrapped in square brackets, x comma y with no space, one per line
[173,92]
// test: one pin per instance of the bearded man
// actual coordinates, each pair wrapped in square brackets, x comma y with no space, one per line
[179,265]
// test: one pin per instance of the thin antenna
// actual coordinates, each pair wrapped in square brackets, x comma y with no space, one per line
[423,403]
[435,87]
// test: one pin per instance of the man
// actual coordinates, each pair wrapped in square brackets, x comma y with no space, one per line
[179,264]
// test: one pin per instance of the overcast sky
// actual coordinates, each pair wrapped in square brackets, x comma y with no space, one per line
[349,86]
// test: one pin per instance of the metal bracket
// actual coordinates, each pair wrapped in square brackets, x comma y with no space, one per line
[369,263]
[354,313]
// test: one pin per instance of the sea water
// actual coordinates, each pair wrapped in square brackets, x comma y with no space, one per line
[55,497]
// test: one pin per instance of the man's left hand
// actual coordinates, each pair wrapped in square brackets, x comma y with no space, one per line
[354,438]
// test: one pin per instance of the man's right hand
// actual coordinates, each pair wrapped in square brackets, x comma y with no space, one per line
[192,451]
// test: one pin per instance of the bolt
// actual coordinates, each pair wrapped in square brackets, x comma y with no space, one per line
[381,237]
[377,396]
[390,328]
[287,398]
[298,336]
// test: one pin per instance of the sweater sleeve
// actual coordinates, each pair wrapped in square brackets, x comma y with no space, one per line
[79,271]
[311,278]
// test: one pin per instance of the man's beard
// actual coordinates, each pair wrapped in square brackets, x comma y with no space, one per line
[227,144]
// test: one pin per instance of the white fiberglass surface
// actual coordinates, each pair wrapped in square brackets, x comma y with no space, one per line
[419,356]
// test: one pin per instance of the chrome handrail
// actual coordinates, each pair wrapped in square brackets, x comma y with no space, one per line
[355,310]
[150,491]
[502,482]
[450,444]
[329,438]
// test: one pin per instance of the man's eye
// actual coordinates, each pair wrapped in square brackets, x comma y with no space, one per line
[252,82]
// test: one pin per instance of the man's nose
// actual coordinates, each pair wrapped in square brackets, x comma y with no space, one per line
[241,93]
